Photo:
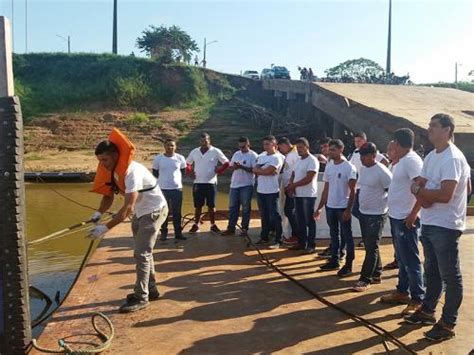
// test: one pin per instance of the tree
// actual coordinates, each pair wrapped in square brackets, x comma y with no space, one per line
[360,70]
[167,44]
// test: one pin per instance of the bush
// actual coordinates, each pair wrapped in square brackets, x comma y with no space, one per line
[131,91]
[138,118]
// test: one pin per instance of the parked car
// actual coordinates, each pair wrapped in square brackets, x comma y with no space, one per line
[280,73]
[266,74]
[251,74]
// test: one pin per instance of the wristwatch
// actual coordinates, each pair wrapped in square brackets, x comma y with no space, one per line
[415,189]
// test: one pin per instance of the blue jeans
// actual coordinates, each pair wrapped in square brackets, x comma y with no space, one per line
[174,198]
[344,239]
[410,272]
[306,223]
[237,197]
[290,213]
[271,219]
[371,228]
[441,249]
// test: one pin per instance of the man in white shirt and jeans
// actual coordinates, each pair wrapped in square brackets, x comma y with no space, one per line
[303,187]
[404,222]
[338,196]
[267,170]
[168,168]
[241,186]
[202,163]
[144,198]
[374,181]
[442,191]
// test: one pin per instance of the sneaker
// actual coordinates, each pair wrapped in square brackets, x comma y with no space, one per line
[329,266]
[296,247]
[308,251]
[215,229]
[180,237]
[376,280]
[132,305]
[163,236]
[262,241]
[244,233]
[326,253]
[227,232]
[361,244]
[275,246]
[194,228]
[345,271]
[439,332]
[420,318]
[360,286]
[396,298]
[411,308]
[391,266]
[291,241]
[153,295]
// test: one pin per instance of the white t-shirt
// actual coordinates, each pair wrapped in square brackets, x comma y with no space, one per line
[374,182]
[288,166]
[400,199]
[169,168]
[205,164]
[302,166]
[268,184]
[240,177]
[450,164]
[338,176]
[138,178]
[355,160]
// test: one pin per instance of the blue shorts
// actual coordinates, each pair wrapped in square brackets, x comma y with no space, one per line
[204,194]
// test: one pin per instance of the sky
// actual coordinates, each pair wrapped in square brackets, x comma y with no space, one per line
[428,37]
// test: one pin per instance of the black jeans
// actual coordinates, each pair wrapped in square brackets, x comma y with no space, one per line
[341,234]
[371,228]
[306,222]
[174,198]
[271,219]
[290,213]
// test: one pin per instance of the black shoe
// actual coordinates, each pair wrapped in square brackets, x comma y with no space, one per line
[420,318]
[163,236]
[326,253]
[244,233]
[180,237]
[361,244]
[391,266]
[439,332]
[330,266]
[153,295]
[262,241]
[133,305]
[345,271]
[228,232]
[215,229]
[376,280]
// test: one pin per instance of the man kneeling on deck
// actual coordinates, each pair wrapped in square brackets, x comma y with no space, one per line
[144,198]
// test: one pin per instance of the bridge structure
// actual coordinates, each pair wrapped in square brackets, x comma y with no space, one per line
[376,109]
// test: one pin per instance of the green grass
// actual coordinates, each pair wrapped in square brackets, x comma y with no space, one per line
[463,85]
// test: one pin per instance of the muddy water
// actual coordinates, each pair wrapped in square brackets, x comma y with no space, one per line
[54,264]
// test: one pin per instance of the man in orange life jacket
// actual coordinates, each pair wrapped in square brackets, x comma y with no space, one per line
[143,198]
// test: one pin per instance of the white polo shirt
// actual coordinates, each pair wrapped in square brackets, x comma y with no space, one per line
[450,164]
[269,184]
[374,182]
[205,164]
[169,168]
[138,178]
[242,178]
[338,177]
[400,198]
[302,167]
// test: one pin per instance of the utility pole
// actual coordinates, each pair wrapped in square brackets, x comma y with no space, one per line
[456,65]
[204,61]
[388,69]
[15,321]
[68,40]
[114,29]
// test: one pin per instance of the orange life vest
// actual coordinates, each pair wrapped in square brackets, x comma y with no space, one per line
[109,182]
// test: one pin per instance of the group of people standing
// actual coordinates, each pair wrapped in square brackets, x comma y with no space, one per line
[426,198]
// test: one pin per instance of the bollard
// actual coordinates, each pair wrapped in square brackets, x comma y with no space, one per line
[15,323]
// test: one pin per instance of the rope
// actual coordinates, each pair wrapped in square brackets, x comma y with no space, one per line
[386,336]
[64,348]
